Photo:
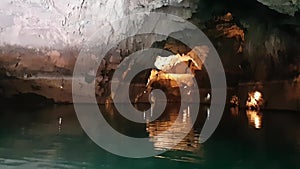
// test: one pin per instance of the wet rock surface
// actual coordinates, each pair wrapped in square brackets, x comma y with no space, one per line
[256,41]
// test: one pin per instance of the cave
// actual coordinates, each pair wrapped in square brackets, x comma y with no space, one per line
[239,58]
[252,49]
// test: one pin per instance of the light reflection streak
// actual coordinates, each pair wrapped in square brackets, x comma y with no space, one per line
[254,118]
[59,124]
[165,141]
[234,111]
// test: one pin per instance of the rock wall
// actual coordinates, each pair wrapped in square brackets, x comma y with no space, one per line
[270,37]
[63,23]
[39,39]
[283,6]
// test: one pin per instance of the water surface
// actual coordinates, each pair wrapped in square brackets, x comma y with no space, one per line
[51,137]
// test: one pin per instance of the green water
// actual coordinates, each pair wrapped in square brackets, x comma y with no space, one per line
[33,138]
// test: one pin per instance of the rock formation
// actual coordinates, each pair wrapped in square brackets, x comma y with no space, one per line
[283,6]
[40,41]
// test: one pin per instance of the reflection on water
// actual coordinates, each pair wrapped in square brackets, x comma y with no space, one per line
[59,123]
[164,140]
[52,138]
[254,118]
[163,132]
[234,111]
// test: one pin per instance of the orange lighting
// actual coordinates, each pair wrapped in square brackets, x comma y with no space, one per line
[255,100]
[254,118]
[182,79]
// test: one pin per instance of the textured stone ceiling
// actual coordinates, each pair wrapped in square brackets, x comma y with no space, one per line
[58,23]
[283,6]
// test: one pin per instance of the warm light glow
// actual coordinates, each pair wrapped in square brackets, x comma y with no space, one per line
[255,100]
[183,79]
[254,118]
[257,122]
[234,100]
[178,69]
[163,136]
[257,95]
[167,63]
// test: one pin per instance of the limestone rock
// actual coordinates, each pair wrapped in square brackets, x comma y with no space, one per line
[59,24]
[283,6]
[226,27]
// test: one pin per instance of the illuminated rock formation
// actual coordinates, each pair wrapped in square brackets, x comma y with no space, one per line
[225,27]
[255,100]
[178,68]
[40,41]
